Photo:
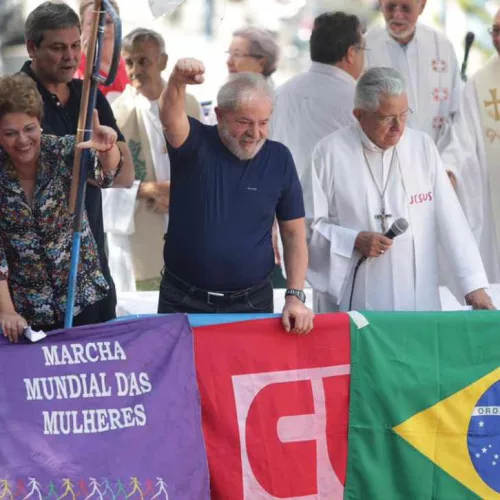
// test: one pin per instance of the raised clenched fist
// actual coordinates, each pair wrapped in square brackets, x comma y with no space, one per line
[189,71]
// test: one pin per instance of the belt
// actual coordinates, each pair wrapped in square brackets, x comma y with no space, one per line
[213,298]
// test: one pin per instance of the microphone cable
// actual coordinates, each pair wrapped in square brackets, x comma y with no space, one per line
[397,228]
[355,274]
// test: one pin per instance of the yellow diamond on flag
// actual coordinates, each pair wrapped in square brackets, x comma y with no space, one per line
[461,435]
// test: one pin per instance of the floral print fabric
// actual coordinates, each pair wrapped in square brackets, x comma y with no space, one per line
[36,241]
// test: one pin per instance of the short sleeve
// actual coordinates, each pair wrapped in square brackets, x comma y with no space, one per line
[191,148]
[291,202]
[106,116]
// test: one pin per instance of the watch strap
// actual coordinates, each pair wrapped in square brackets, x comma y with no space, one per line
[296,293]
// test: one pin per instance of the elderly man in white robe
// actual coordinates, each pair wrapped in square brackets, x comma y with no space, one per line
[481,105]
[428,63]
[136,219]
[363,178]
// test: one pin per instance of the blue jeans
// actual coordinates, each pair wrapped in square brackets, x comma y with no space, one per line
[178,296]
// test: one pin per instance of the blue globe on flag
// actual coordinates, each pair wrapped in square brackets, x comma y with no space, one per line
[483,438]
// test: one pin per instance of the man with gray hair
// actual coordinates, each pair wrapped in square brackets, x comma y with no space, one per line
[228,182]
[365,177]
[136,219]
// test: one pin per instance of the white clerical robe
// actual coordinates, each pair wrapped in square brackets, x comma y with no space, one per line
[481,108]
[429,65]
[346,201]
[133,228]
[309,107]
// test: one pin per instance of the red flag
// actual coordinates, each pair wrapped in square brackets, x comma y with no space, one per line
[275,408]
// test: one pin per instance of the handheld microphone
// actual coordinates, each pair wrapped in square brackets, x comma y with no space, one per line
[398,227]
[469,40]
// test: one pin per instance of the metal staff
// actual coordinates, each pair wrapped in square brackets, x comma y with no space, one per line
[92,80]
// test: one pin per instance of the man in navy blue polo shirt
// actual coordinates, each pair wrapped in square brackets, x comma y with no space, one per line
[228,182]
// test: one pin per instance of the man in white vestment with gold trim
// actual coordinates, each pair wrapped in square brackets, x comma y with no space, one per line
[364,177]
[136,219]
[481,105]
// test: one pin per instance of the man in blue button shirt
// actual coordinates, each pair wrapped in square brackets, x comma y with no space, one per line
[228,182]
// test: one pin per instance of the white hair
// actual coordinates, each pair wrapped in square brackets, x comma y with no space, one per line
[374,83]
[242,86]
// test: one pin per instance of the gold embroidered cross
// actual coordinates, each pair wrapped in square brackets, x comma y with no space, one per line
[495,102]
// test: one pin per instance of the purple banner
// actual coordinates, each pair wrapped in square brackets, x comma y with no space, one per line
[108,411]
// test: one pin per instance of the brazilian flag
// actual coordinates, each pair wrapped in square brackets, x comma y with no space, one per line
[425,407]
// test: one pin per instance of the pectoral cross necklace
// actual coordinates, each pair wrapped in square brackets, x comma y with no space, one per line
[382,216]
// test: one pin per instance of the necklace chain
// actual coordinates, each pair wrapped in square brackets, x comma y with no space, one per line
[383,216]
[380,191]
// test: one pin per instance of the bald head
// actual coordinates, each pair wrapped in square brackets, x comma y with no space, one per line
[495,31]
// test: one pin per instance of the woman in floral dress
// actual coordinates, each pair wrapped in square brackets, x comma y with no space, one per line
[36,227]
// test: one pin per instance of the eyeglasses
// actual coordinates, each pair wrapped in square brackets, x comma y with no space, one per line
[239,55]
[386,120]
[494,31]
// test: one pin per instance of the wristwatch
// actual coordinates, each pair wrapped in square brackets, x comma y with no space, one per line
[296,293]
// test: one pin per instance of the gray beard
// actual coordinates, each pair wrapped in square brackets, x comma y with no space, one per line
[232,144]
[404,34]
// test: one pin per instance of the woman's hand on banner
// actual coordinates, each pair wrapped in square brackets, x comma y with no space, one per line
[12,326]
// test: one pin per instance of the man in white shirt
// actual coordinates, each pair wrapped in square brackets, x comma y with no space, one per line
[481,104]
[428,63]
[363,178]
[316,103]
[136,219]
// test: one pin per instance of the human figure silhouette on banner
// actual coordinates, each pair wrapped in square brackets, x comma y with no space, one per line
[68,490]
[107,489]
[35,490]
[162,489]
[120,490]
[52,493]
[6,493]
[148,487]
[136,488]
[95,490]
[20,489]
